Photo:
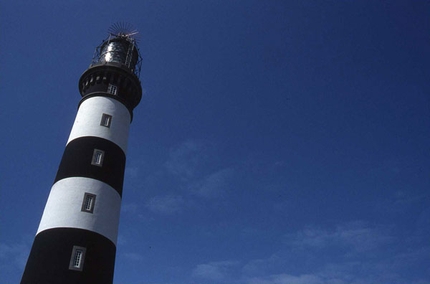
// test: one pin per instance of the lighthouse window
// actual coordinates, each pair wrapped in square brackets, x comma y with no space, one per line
[112,89]
[106,120]
[88,203]
[77,258]
[97,157]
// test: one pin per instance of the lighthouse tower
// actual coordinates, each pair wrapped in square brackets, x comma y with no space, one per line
[77,235]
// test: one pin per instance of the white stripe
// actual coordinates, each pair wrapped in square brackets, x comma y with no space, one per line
[88,118]
[63,208]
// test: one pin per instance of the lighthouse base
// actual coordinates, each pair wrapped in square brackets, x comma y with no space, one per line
[51,259]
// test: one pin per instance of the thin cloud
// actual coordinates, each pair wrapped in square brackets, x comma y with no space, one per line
[13,255]
[192,163]
[290,279]
[339,256]
[256,267]
[293,266]
[214,184]
[132,172]
[166,205]
[402,202]
[184,160]
[132,256]
[215,271]
[321,278]
[129,208]
[356,235]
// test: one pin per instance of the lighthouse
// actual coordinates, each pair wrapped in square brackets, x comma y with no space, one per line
[77,235]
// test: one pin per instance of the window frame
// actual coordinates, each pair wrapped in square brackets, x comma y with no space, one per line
[112,89]
[88,197]
[106,120]
[98,157]
[74,258]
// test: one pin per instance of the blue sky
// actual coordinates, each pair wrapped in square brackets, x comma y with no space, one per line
[277,142]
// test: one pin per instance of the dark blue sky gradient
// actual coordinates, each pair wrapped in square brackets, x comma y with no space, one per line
[277,142]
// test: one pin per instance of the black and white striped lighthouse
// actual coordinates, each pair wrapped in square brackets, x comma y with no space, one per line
[77,235]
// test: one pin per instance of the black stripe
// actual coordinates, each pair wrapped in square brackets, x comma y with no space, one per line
[50,255]
[77,157]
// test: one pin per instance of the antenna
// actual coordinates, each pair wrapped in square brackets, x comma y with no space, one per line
[123,29]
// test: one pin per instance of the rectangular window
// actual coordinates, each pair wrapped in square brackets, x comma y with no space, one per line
[88,202]
[106,120]
[112,89]
[77,258]
[98,156]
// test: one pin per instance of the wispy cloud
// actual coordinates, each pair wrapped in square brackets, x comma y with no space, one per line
[215,271]
[339,255]
[132,256]
[339,277]
[291,279]
[349,253]
[355,235]
[214,184]
[129,208]
[132,172]
[14,255]
[166,205]
[184,160]
[193,164]
[188,174]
